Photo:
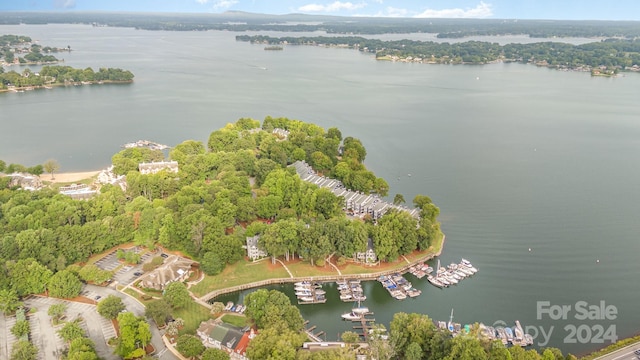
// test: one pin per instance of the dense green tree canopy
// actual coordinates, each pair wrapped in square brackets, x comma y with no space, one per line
[110,307]
[64,284]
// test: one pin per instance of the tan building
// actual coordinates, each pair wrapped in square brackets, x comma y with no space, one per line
[175,269]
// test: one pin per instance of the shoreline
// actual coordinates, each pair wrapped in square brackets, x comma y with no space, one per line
[77,83]
[324,278]
[66,177]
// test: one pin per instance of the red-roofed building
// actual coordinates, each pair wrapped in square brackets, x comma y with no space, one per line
[229,338]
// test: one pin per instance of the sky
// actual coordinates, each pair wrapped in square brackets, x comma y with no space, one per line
[480,9]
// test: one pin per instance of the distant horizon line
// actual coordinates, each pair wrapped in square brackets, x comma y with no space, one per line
[231,12]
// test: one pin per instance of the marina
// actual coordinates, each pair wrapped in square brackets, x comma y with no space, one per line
[309,293]
[452,274]
[398,287]
[509,336]
[350,290]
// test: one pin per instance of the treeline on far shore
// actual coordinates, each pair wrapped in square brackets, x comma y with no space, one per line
[243,21]
[60,75]
[611,53]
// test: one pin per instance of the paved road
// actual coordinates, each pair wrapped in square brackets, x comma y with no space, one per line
[626,353]
[137,309]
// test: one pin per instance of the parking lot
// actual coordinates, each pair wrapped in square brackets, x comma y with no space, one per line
[126,274]
[44,334]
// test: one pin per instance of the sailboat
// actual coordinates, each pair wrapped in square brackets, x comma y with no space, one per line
[360,309]
[450,325]
[454,328]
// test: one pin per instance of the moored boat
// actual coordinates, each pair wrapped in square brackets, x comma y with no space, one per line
[351,316]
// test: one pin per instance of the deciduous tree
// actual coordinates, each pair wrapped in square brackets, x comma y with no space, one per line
[177,295]
[189,346]
[20,329]
[70,331]
[159,311]
[110,307]
[64,284]
[24,350]
[51,166]
[214,354]
[9,301]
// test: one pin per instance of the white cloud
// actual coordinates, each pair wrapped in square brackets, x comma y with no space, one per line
[396,12]
[219,4]
[483,10]
[333,7]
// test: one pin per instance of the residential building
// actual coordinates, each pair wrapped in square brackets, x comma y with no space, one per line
[154,167]
[254,250]
[232,339]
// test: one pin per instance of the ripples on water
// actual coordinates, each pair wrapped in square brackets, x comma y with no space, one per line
[515,156]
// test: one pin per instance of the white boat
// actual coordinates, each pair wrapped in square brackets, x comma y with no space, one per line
[466,271]
[320,292]
[400,296]
[360,309]
[351,316]
[345,297]
[303,293]
[435,282]
[306,298]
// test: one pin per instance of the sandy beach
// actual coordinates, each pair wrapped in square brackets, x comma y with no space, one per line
[69,176]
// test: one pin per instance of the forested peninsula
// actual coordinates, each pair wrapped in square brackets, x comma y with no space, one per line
[613,54]
[240,184]
[11,46]
[244,182]
[50,76]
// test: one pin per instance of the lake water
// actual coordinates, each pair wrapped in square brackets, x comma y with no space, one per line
[515,156]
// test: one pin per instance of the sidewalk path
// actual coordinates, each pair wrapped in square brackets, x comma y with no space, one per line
[285,267]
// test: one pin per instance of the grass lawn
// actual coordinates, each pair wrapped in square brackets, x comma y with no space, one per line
[235,320]
[193,315]
[300,269]
[242,272]
[138,296]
